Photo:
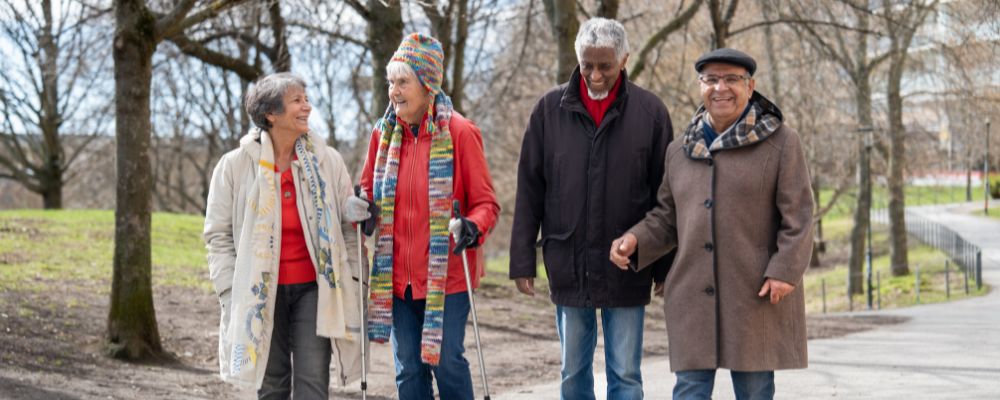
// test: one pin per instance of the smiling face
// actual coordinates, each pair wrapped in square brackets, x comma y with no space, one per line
[600,70]
[408,96]
[295,119]
[725,101]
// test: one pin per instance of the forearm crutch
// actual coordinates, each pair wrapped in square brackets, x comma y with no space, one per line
[472,306]
[362,306]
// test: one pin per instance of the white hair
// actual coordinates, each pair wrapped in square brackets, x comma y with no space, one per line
[398,69]
[602,33]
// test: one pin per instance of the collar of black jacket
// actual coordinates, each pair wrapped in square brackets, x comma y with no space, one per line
[571,97]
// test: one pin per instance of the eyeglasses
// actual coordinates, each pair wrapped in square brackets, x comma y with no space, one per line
[730,80]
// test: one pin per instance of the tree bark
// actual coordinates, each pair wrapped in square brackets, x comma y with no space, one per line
[722,19]
[51,179]
[862,209]
[132,331]
[607,9]
[458,55]
[562,19]
[385,32]
[901,25]
[282,59]
[897,165]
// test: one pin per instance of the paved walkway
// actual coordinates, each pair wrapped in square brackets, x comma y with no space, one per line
[945,351]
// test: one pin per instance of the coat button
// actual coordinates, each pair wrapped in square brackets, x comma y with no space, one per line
[708,203]
[709,247]
[709,162]
[710,291]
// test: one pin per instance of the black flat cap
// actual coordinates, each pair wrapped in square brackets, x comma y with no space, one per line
[727,56]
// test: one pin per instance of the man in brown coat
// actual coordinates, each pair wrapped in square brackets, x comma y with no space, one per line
[736,204]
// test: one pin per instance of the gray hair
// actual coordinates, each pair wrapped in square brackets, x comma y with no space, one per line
[267,96]
[602,33]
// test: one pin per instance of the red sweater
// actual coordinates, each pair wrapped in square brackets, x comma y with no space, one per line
[472,186]
[294,265]
[597,108]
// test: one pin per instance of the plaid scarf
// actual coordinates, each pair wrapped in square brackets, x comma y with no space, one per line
[763,119]
[440,173]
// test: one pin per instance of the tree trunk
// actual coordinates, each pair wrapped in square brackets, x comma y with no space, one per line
[385,31]
[722,18]
[282,58]
[818,245]
[862,208]
[562,18]
[968,174]
[897,165]
[52,196]
[608,9]
[51,177]
[458,64]
[132,331]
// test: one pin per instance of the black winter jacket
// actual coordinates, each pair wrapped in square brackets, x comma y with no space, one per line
[584,186]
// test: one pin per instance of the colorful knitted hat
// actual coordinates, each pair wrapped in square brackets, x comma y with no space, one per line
[423,53]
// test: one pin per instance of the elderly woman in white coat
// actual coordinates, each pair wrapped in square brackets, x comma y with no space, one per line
[278,231]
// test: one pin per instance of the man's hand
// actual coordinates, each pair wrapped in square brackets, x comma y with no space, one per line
[776,288]
[525,285]
[658,289]
[622,248]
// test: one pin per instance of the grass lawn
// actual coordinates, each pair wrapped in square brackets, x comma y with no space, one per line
[77,246]
[994,210]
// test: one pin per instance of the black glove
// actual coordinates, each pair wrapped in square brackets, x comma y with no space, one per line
[368,226]
[469,238]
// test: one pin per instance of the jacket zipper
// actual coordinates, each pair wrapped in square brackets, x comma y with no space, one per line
[409,214]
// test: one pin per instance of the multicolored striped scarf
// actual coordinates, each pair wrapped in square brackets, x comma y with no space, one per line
[441,172]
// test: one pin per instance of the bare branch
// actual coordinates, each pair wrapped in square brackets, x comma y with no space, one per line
[661,35]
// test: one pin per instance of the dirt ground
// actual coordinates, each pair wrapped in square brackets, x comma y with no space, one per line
[51,346]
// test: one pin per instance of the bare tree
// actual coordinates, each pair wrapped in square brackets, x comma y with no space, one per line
[51,90]
[847,45]
[132,331]
[564,23]
[722,14]
[901,24]
[385,31]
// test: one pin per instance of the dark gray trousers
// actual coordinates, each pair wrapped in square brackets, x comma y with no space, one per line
[298,364]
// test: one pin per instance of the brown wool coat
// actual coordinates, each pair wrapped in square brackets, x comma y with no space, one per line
[756,225]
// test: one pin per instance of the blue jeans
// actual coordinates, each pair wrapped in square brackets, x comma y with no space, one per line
[413,377]
[622,351]
[297,359]
[697,385]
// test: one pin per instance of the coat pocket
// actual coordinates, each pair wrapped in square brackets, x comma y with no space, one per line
[559,259]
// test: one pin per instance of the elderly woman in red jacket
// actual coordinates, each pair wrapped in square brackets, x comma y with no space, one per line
[422,156]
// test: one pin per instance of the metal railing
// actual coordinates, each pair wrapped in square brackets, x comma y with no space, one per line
[964,253]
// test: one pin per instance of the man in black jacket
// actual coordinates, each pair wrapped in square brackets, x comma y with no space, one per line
[582,138]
